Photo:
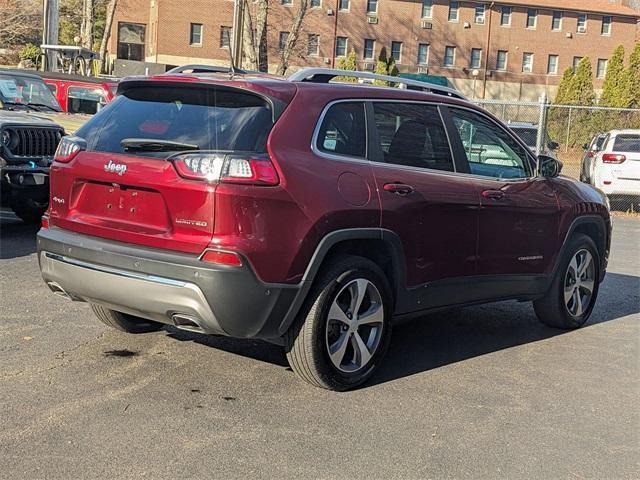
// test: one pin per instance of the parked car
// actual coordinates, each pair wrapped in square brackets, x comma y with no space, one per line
[27,144]
[528,132]
[80,94]
[290,210]
[616,165]
[590,151]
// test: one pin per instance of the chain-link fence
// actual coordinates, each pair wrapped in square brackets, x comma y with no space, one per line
[569,129]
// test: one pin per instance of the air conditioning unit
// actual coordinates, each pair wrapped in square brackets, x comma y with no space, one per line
[582,29]
[423,69]
[329,11]
[480,21]
[368,66]
[467,25]
[426,25]
[569,35]
[372,19]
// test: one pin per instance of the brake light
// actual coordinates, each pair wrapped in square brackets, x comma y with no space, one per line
[590,154]
[613,158]
[223,258]
[67,149]
[214,168]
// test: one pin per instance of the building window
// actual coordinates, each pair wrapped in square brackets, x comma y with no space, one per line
[582,23]
[505,16]
[282,42]
[313,44]
[453,11]
[423,54]
[606,26]
[601,70]
[501,60]
[556,22]
[369,48]
[476,58]
[527,62]
[343,5]
[287,3]
[341,46]
[225,37]
[552,65]
[427,7]
[396,51]
[131,41]
[195,34]
[479,16]
[449,56]
[372,6]
[316,3]
[576,62]
[532,17]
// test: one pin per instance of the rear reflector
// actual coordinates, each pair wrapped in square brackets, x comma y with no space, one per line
[44,222]
[214,168]
[223,258]
[613,158]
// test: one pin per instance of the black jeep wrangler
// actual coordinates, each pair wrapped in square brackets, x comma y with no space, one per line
[28,141]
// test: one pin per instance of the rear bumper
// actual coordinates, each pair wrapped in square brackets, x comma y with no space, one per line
[170,288]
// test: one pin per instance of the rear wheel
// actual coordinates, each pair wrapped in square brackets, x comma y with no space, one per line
[29,210]
[344,331]
[124,322]
[574,290]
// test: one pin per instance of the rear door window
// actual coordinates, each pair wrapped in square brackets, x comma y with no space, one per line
[413,135]
[207,118]
[343,130]
[626,143]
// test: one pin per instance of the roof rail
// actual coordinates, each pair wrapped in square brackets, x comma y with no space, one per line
[325,75]
[194,68]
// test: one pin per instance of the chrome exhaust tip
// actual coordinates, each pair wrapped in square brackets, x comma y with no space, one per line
[58,290]
[187,322]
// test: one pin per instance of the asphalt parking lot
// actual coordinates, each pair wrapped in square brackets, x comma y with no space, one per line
[482,392]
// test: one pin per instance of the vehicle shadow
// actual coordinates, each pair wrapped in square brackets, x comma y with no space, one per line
[17,239]
[452,336]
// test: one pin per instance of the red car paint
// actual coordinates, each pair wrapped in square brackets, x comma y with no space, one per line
[77,94]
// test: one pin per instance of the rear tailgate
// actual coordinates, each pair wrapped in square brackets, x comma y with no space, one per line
[627,173]
[124,185]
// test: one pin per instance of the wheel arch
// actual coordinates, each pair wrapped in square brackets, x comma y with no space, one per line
[594,227]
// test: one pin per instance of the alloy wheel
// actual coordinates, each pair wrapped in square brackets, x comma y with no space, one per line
[354,325]
[579,283]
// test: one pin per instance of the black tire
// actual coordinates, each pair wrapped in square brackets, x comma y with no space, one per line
[553,309]
[124,322]
[309,338]
[29,211]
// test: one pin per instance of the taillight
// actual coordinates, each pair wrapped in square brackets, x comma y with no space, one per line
[68,148]
[214,168]
[221,257]
[44,222]
[590,154]
[613,158]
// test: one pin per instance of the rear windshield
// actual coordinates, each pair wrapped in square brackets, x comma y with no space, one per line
[627,143]
[528,135]
[210,118]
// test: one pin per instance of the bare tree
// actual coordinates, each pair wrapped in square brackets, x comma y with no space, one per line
[111,9]
[88,22]
[292,38]
[20,22]
[255,37]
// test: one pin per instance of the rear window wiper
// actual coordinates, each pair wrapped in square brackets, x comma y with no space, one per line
[155,145]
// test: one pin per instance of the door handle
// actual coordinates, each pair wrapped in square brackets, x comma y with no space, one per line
[398,188]
[493,194]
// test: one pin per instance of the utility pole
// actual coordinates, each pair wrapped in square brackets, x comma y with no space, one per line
[50,29]
[236,42]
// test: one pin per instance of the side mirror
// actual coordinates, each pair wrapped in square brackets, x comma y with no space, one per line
[553,145]
[549,167]
[585,146]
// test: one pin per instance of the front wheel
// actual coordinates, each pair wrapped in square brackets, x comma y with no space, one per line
[574,289]
[343,333]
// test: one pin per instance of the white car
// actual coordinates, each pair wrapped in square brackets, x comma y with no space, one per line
[616,167]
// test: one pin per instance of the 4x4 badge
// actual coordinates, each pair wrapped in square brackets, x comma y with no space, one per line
[112,167]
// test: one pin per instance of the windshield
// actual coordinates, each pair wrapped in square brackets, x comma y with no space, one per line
[528,135]
[207,119]
[19,90]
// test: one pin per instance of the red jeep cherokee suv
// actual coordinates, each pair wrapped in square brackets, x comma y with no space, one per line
[311,214]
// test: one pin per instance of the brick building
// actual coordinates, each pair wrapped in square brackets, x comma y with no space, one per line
[513,49]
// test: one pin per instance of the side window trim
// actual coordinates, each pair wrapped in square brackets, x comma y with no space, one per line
[457,149]
[533,162]
[338,156]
